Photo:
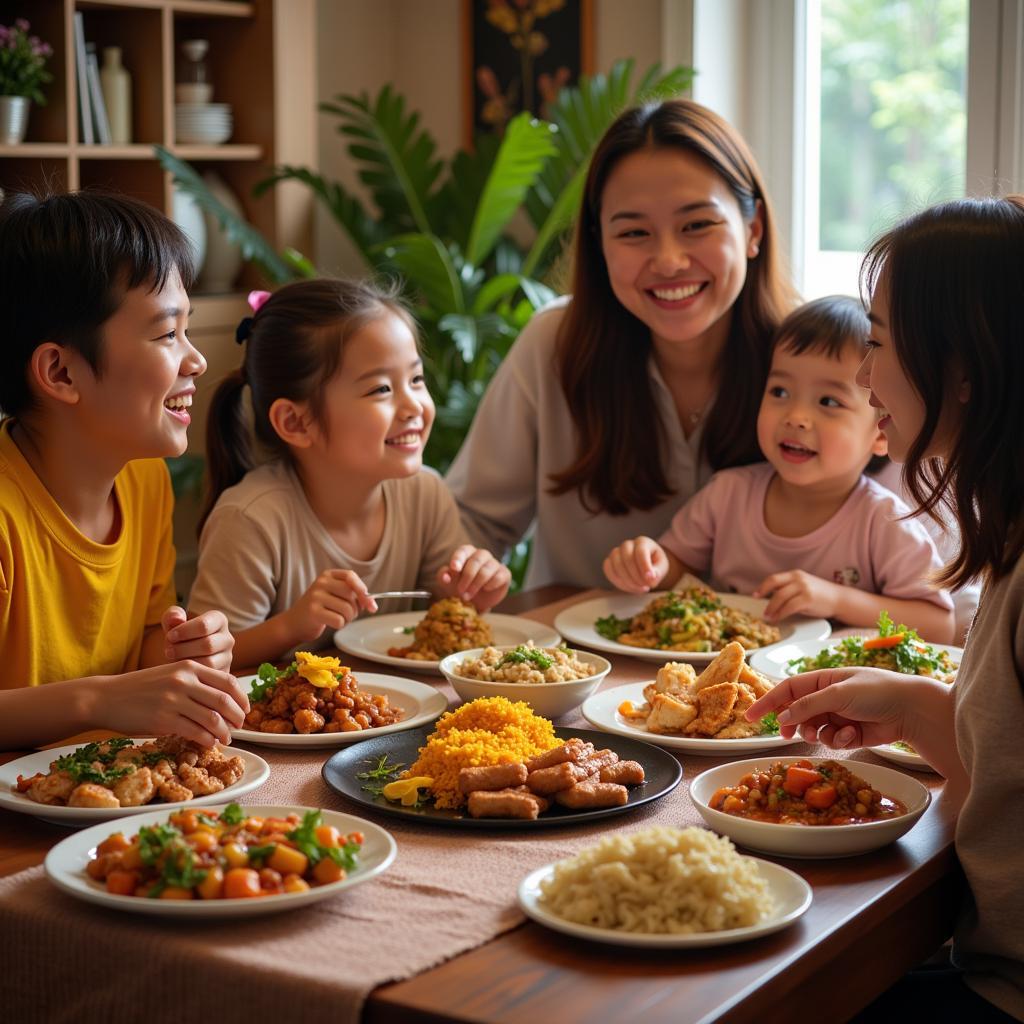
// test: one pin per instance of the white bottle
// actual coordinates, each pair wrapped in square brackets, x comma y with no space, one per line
[117,95]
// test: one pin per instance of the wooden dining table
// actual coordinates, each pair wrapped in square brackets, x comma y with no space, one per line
[872,918]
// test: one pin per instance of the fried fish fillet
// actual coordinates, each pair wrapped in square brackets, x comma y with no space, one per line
[669,714]
[716,704]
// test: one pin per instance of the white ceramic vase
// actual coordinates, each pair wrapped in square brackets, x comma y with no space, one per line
[187,214]
[223,257]
[13,119]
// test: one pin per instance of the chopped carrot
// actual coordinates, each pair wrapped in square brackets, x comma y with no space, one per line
[881,643]
[798,779]
[821,795]
[626,707]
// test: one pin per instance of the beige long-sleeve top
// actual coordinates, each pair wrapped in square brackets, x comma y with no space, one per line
[522,433]
[989,696]
[263,545]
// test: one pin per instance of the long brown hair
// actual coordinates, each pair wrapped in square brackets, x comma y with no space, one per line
[954,276]
[293,346]
[603,349]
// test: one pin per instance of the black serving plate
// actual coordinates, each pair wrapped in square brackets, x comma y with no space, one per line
[662,770]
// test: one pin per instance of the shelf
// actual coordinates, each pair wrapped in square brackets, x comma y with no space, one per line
[138,151]
[28,150]
[227,151]
[192,8]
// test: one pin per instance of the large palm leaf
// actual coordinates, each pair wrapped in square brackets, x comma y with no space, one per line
[526,146]
[429,268]
[397,159]
[582,115]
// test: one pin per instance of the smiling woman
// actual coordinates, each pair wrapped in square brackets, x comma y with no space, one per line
[615,406]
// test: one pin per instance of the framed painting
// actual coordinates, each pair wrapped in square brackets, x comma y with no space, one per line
[518,55]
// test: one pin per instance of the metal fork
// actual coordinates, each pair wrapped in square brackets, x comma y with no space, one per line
[401,593]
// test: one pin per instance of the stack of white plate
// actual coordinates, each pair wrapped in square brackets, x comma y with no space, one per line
[202,123]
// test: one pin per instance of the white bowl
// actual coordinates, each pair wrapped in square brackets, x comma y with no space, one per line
[550,700]
[202,136]
[809,841]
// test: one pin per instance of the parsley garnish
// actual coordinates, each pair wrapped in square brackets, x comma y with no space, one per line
[380,775]
[524,654]
[611,627]
[232,815]
[304,837]
[770,724]
[268,678]
[82,763]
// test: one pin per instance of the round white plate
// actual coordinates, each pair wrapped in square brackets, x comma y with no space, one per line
[792,898]
[774,661]
[904,758]
[371,637]
[576,623]
[420,702]
[65,866]
[257,771]
[602,710]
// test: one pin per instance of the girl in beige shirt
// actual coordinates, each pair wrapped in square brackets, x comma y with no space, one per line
[945,363]
[291,549]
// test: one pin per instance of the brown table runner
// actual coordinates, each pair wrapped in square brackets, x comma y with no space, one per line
[447,892]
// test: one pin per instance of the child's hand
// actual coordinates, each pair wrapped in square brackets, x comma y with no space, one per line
[796,593]
[187,698]
[637,565]
[335,598]
[205,639]
[475,575]
[841,707]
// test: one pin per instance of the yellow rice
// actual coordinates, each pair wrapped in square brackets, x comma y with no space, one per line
[491,730]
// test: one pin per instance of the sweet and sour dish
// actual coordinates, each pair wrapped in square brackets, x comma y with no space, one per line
[712,704]
[312,695]
[122,773]
[802,793]
[693,619]
[449,626]
[232,855]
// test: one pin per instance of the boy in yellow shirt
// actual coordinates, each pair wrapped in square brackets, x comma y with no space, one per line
[96,377]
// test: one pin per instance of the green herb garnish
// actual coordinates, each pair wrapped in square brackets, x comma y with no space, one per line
[611,627]
[268,678]
[380,775]
[232,815]
[304,837]
[259,854]
[523,654]
[95,762]
[770,724]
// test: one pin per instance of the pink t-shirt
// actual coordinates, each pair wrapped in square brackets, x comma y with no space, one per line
[720,533]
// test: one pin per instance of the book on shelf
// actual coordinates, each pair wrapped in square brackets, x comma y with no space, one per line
[81,67]
[99,107]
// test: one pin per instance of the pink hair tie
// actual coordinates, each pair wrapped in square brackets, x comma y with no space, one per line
[256,300]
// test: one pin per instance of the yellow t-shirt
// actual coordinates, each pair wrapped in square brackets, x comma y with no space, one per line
[70,607]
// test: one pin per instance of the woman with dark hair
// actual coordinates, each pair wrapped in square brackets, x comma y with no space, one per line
[616,405]
[945,363]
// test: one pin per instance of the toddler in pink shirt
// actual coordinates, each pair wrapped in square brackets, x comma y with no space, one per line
[807,529]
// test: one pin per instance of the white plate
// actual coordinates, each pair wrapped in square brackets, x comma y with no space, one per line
[904,758]
[420,702]
[602,710]
[811,841]
[257,771]
[576,623]
[371,637]
[792,898]
[774,661]
[65,866]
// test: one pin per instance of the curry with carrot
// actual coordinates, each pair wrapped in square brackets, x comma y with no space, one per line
[803,793]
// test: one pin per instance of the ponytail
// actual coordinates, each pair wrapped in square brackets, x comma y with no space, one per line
[229,447]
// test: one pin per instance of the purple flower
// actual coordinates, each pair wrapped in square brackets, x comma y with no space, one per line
[22,24]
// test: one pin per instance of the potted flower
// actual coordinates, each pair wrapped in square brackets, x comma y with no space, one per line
[22,74]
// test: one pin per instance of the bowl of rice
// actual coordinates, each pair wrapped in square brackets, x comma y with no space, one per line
[666,887]
[552,680]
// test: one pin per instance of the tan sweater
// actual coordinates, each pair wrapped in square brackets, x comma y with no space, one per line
[522,433]
[989,694]
[263,546]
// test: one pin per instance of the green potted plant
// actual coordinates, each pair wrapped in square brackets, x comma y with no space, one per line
[23,73]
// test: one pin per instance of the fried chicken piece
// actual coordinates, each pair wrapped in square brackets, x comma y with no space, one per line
[199,780]
[739,730]
[167,783]
[307,721]
[491,777]
[598,760]
[136,789]
[669,714]
[304,700]
[572,750]
[591,795]
[557,777]
[716,704]
[625,773]
[503,803]
[228,769]
[53,789]
[675,677]
[725,668]
[276,725]
[254,717]
[88,794]
[543,803]
[758,683]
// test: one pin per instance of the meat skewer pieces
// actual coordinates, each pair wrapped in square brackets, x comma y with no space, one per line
[503,803]
[556,778]
[491,777]
[572,750]
[625,773]
[590,795]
